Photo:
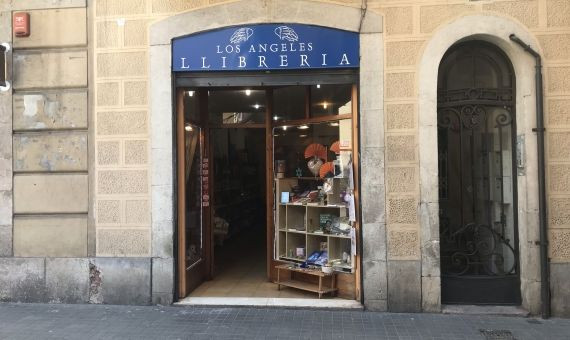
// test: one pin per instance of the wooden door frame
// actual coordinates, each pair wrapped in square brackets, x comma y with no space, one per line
[208,235]
[180,195]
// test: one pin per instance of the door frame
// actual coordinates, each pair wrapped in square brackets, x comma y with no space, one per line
[450,283]
[496,30]
[197,81]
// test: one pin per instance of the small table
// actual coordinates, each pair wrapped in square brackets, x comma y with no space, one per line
[311,287]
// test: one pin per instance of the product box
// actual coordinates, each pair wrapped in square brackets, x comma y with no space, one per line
[325,221]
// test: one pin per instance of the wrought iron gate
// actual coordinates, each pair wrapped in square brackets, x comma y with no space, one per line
[477,182]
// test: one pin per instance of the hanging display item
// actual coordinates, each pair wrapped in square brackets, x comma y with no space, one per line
[317,153]
[327,170]
[335,147]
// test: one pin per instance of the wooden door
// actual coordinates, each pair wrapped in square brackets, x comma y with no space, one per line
[193,195]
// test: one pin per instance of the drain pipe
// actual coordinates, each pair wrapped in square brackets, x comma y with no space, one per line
[544,261]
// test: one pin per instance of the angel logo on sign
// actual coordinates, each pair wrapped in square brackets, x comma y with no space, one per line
[241,35]
[286,33]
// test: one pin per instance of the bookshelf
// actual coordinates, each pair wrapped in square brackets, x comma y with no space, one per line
[298,227]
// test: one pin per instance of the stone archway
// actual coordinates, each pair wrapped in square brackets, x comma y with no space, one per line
[368,24]
[496,30]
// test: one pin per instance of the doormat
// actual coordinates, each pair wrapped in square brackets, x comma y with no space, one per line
[497,334]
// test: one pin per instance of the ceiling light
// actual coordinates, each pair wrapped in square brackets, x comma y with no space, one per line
[188,128]
[303,127]
[256,106]
[302,136]
[334,124]
[318,86]
[325,105]
[284,128]
[190,93]
[247,92]
[275,118]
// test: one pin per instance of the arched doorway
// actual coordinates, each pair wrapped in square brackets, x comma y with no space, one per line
[477,178]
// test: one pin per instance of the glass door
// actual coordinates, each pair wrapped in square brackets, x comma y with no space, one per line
[193,194]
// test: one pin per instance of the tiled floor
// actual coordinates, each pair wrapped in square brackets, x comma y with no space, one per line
[241,272]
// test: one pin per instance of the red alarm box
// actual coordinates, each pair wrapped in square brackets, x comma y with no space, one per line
[21,24]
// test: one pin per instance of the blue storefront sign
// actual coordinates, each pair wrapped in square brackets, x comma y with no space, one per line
[266,47]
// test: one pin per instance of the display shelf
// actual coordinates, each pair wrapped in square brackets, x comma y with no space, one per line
[329,235]
[281,220]
[295,231]
[287,276]
[311,287]
[287,258]
[296,217]
[281,242]
[291,219]
[316,213]
[337,247]
[294,241]
[314,243]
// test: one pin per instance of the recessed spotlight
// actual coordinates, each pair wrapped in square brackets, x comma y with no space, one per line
[247,92]
[188,128]
[303,127]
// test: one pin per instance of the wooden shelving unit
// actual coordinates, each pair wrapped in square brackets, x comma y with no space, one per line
[297,226]
[286,277]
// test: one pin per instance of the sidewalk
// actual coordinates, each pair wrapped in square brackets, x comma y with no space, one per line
[43,321]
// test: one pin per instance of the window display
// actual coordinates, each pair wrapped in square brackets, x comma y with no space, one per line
[315,194]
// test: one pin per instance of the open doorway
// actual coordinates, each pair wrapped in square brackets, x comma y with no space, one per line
[232,219]
[239,212]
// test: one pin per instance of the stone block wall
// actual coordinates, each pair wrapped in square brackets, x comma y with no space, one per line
[122,145]
[84,121]
[49,144]
[44,162]
[411,249]
[556,49]
[409,25]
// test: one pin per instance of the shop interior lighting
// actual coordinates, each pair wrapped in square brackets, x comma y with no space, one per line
[303,127]
[318,86]
[190,93]
[188,128]
[247,92]
[256,106]
[284,128]
[334,124]
[275,118]
[325,105]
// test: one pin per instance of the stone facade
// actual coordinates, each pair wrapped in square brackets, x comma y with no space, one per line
[94,120]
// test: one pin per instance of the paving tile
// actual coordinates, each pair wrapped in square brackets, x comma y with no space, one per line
[44,321]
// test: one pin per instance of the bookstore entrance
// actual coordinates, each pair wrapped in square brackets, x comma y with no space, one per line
[267,163]
[267,188]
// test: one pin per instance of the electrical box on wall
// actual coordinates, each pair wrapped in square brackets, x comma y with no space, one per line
[21,24]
